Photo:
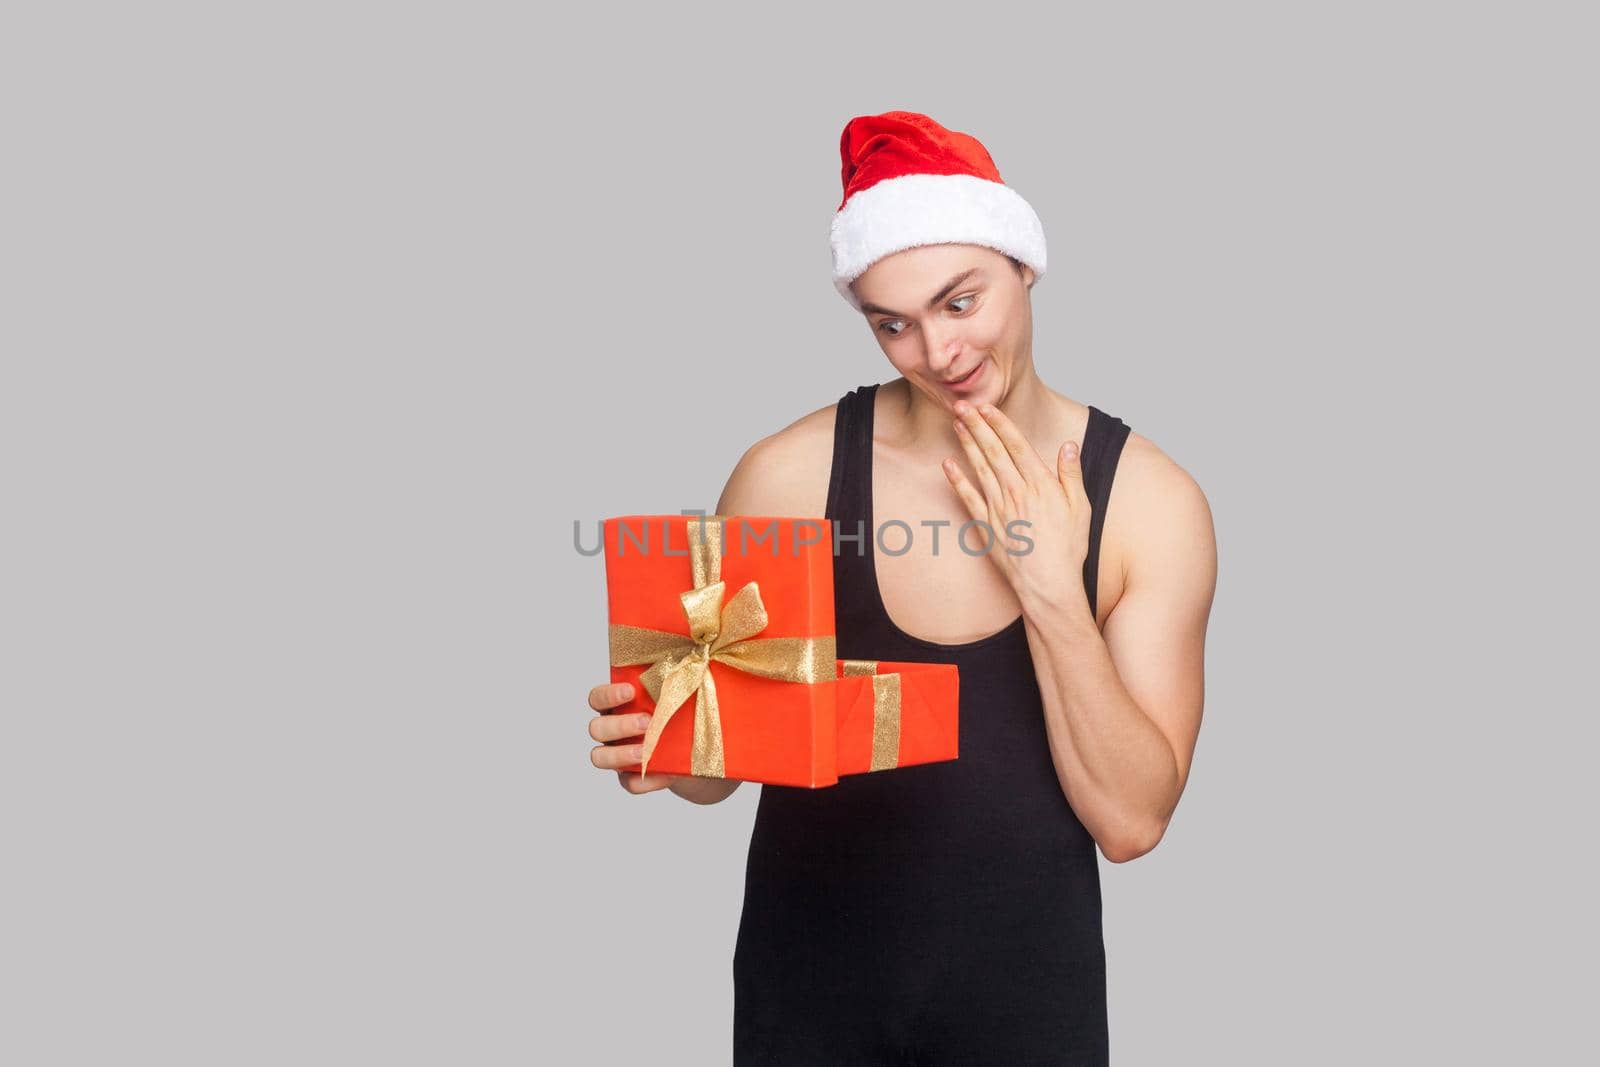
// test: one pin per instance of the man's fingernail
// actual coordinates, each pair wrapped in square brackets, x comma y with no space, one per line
[642,722]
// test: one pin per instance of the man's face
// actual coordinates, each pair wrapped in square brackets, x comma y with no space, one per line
[947,312]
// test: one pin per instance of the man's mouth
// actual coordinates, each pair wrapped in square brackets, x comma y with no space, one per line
[966,379]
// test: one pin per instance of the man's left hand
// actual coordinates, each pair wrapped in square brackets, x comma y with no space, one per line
[1014,483]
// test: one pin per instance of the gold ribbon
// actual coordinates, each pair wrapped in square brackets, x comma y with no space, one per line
[720,632]
[885,712]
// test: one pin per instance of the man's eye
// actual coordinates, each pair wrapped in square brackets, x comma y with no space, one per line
[958,300]
[884,326]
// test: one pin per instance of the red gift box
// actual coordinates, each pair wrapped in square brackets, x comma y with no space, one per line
[896,714]
[724,627]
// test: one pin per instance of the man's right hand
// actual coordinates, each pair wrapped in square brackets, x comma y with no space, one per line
[622,736]
[622,745]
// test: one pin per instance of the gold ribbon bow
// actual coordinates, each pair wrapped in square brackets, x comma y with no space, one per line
[720,632]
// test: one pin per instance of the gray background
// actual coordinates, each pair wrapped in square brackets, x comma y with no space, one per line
[323,322]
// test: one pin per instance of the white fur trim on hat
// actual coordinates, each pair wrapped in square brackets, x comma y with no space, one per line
[928,209]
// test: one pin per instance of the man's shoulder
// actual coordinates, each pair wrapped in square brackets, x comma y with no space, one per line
[786,472]
[1145,463]
[1156,509]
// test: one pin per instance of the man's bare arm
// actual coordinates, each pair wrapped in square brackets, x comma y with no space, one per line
[1123,705]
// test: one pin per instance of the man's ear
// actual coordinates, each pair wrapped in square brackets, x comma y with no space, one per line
[1028,276]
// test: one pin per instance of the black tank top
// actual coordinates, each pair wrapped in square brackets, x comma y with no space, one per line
[940,913]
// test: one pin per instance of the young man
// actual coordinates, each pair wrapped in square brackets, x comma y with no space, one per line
[950,912]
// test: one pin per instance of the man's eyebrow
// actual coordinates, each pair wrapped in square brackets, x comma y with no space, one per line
[874,309]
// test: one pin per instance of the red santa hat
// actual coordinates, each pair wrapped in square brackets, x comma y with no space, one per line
[908,181]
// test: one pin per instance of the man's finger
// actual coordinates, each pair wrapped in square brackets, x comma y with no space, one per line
[1005,469]
[615,727]
[987,480]
[1069,471]
[970,497]
[606,697]
[636,783]
[1029,465]
[616,757]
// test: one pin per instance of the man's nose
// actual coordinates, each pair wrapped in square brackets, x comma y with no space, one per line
[942,350]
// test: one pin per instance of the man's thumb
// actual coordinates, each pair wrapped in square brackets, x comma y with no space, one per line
[1067,467]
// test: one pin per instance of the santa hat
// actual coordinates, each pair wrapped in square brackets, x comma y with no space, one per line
[909,181]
